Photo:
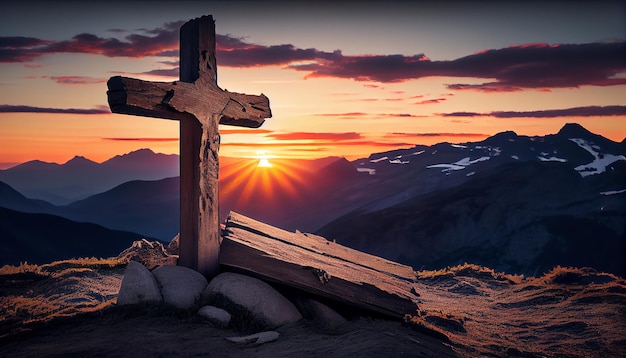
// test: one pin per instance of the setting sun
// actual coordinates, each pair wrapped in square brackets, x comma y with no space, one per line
[264,160]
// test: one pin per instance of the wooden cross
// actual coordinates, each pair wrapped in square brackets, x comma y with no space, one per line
[200,105]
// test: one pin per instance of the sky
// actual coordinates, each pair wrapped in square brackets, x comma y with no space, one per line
[343,78]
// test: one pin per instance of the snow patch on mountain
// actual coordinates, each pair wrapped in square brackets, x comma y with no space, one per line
[369,171]
[398,161]
[600,162]
[613,192]
[552,159]
[460,165]
[379,159]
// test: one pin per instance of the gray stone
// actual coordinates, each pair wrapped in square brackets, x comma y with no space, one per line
[138,285]
[257,338]
[250,300]
[180,286]
[215,315]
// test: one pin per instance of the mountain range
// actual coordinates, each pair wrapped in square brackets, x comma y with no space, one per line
[516,203]
[79,178]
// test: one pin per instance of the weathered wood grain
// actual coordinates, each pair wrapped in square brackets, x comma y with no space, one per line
[200,105]
[313,264]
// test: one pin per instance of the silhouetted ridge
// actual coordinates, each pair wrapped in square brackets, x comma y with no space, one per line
[574,130]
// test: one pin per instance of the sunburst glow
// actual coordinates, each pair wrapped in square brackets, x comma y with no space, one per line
[264,160]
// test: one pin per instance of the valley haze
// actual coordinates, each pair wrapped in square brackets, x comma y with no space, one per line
[518,204]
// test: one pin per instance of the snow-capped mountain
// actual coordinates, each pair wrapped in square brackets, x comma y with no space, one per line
[514,203]
[422,169]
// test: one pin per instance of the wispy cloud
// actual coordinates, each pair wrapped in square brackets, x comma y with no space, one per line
[124,139]
[75,80]
[431,101]
[315,136]
[371,143]
[430,135]
[589,111]
[8,108]
[245,131]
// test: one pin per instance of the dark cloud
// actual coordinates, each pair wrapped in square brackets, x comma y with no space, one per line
[515,68]
[159,41]
[7,108]
[589,111]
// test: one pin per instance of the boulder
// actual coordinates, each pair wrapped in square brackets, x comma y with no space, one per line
[254,304]
[180,286]
[138,285]
[215,315]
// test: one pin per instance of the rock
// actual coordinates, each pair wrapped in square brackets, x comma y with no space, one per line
[254,304]
[257,338]
[215,315]
[322,316]
[138,285]
[149,253]
[180,286]
[172,248]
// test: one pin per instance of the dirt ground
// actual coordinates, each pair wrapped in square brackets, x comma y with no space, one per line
[117,334]
[68,309]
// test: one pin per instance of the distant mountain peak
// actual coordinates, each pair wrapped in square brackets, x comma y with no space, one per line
[574,130]
[79,159]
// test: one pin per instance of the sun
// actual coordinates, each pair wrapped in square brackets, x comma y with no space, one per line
[264,160]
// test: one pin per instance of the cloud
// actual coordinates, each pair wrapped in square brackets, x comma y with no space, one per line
[322,144]
[315,136]
[589,111]
[429,135]
[537,66]
[7,108]
[159,41]
[142,139]
[75,80]
[245,131]
[515,68]
[431,101]
[346,114]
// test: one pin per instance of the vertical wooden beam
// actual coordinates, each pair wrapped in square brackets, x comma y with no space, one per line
[199,223]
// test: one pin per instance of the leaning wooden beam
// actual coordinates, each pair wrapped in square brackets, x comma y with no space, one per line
[318,266]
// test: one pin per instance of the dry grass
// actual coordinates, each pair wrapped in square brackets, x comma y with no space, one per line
[59,268]
[469,270]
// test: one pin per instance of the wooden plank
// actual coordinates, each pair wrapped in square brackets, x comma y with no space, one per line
[313,264]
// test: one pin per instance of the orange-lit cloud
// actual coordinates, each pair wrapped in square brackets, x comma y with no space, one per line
[245,131]
[315,136]
[411,135]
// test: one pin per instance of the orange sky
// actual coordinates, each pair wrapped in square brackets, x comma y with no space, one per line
[384,78]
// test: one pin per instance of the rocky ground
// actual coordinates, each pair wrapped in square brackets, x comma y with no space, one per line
[68,308]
